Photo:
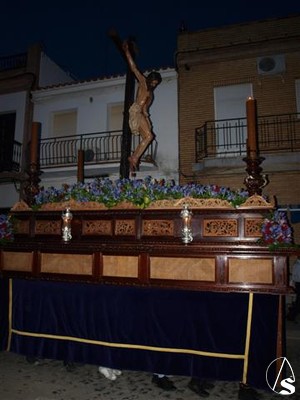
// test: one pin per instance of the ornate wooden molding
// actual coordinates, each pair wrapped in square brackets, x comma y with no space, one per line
[132,246]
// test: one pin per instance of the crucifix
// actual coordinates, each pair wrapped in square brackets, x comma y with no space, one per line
[138,121]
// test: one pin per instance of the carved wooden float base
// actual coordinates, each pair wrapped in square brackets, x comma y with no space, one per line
[197,268]
[129,245]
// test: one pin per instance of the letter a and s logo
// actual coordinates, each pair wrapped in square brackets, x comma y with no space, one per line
[285,386]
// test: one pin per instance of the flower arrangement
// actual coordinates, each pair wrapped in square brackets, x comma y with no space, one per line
[276,231]
[140,192]
[6,229]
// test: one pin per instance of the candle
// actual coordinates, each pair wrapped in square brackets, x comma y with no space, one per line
[35,140]
[252,148]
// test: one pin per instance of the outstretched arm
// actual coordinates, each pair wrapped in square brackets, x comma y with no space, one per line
[139,76]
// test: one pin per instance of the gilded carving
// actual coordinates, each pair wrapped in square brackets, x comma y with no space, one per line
[253,227]
[158,228]
[253,201]
[125,227]
[220,227]
[203,203]
[257,201]
[162,204]
[97,227]
[46,227]
[191,202]
[21,206]
[85,205]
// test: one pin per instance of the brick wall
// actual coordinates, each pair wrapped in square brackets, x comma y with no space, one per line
[228,56]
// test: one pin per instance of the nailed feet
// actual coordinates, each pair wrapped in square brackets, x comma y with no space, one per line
[133,163]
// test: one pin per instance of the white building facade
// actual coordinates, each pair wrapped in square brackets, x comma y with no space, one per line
[20,74]
[96,107]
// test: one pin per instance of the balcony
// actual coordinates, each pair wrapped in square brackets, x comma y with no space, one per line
[100,149]
[215,140]
[227,138]
[60,154]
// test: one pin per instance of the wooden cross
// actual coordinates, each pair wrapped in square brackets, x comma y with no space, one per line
[129,99]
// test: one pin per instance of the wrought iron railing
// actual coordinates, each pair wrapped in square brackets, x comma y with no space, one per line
[219,138]
[227,137]
[99,148]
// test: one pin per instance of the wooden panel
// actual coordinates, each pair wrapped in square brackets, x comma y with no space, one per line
[214,227]
[134,246]
[77,264]
[22,227]
[122,266]
[46,227]
[17,261]
[125,227]
[198,269]
[158,228]
[253,227]
[97,227]
[250,270]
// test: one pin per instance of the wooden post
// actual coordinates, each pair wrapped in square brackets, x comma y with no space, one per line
[80,166]
[35,142]
[31,187]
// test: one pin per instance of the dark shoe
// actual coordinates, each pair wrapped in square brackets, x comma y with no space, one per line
[163,383]
[197,387]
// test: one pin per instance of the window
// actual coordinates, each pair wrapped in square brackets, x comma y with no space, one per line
[230,109]
[63,151]
[64,123]
[115,117]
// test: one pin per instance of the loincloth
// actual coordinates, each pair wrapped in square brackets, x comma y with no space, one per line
[135,114]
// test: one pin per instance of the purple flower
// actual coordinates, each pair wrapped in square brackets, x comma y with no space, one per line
[6,229]
[140,192]
[276,229]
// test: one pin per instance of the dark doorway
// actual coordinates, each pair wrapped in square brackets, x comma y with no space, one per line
[7,136]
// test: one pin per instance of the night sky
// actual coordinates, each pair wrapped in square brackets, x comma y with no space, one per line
[75,34]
